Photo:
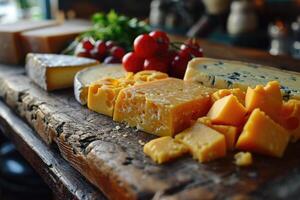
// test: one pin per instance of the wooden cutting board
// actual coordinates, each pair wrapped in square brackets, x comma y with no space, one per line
[110,155]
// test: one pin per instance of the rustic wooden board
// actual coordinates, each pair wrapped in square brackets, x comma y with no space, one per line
[110,155]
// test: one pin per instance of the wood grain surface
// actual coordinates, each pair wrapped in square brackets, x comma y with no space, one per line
[110,154]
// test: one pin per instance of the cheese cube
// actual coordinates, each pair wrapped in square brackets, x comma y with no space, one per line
[52,72]
[164,149]
[224,74]
[204,143]
[290,118]
[102,94]
[240,95]
[268,99]
[262,135]
[227,111]
[85,77]
[53,39]
[11,45]
[230,132]
[243,159]
[163,107]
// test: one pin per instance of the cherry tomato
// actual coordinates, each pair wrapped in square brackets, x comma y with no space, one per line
[156,63]
[101,47]
[111,60]
[94,54]
[162,40]
[132,62]
[192,43]
[87,44]
[189,52]
[117,52]
[83,53]
[178,67]
[110,44]
[145,46]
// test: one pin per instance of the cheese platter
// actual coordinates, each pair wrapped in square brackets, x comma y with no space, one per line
[159,119]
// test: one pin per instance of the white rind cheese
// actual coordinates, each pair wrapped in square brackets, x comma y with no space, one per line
[233,74]
[85,77]
[53,72]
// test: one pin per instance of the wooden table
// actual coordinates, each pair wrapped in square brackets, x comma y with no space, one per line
[110,156]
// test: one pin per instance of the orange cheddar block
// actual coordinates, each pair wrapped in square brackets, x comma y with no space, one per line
[230,132]
[290,118]
[227,111]
[164,149]
[163,107]
[204,143]
[268,99]
[262,135]
[240,95]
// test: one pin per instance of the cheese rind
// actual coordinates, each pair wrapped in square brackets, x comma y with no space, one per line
[164,149]
[262,135]
[86,76]
[204,143]
[163,107]
[52,72]
[232,74]
[12,51]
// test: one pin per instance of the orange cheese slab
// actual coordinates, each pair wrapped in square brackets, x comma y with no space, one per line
[204,143]
[268,99]
[290,118]
[164,149]
[227,111]
[262,135]
[163,107]
[240,95]
[230,132]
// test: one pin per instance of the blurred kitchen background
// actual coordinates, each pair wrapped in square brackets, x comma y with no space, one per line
[271,25]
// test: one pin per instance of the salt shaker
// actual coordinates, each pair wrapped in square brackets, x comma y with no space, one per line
[279,38]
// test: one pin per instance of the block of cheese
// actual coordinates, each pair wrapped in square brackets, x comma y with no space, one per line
[164,149]
[163,107]
[230,132]
[243,159]
[53,39]
[102,94]
[267,98]
[204,143]
[240,95]
[86,76]
[52,72]
[227,111]
[224,74]
[11,45]
[290,118]
[262,135]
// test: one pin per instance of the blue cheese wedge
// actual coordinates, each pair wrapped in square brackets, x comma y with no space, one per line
[85,77]
[233,74]
[53,72]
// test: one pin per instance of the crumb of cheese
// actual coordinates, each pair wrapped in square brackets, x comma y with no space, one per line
[243,159]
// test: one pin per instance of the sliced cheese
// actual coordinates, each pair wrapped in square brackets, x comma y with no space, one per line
[163,107]
[12,51]
[232,74]
[240,95]
[164,149]
[85,77]
[53,39]
[52,72]
[102,94]
[262,135]
[204,143]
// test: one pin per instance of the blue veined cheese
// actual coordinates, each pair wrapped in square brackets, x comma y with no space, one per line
[233,74]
